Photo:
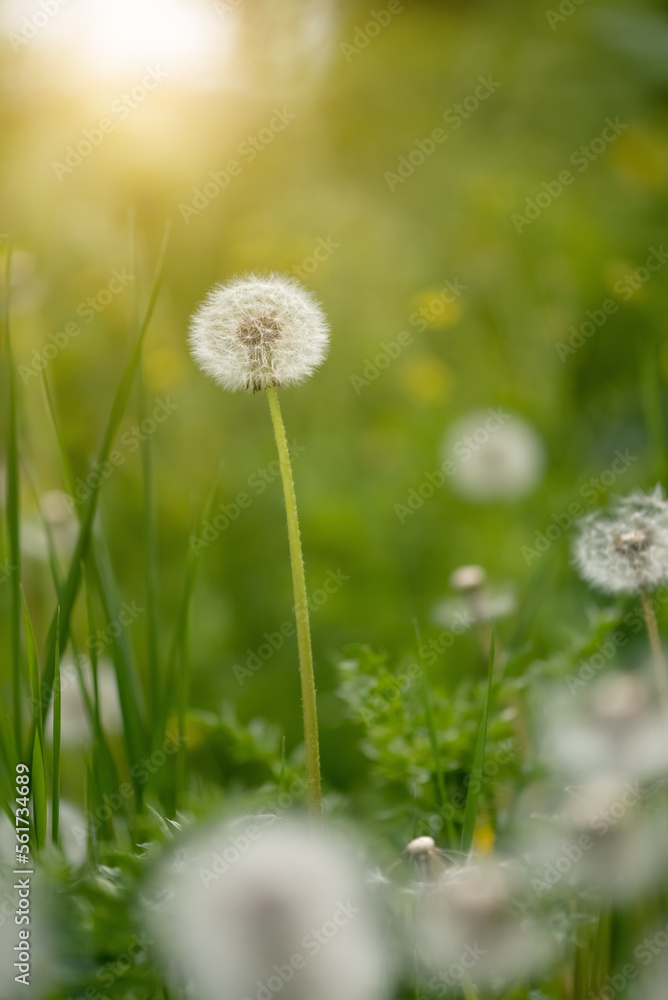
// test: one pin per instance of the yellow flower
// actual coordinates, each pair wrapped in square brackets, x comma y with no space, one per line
[483,839]
[426,380]
[437,308]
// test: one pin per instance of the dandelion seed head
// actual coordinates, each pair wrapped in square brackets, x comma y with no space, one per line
[496,456]
[258,331]
[624,550]
[607,727]
[253,895]
[487,904]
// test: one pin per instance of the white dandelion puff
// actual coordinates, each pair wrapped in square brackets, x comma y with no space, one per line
[614,729]
[476,922]
[493,455]
[602,838]
[259,331]
[625,550]
[257,910]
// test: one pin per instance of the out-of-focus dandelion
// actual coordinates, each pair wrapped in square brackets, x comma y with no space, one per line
[263,332]
[476,604]
[625,551]
[40,960]
[614,730]
[494,456]
[270,908]
[475,925]
[601,838]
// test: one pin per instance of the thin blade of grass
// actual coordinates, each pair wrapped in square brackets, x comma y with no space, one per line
[12,512]
[71,585]
[129,690]
[178,655]
[151,542]
[55,780]
[651,402]
[433,740]
[33,665]
[475,784]
[104,771]
[38,782]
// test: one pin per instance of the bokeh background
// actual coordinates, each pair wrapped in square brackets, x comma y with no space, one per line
[354,100]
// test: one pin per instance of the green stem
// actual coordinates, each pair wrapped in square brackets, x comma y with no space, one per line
[657,651]
[301,610]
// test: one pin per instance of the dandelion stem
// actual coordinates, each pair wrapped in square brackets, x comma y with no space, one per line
[657,651]
[309,708]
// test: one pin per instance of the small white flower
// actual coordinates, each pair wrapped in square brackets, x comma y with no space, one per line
[263,909]
[259,331]
[625,551]
[494,455]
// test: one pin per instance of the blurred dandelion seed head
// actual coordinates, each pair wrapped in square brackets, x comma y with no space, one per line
[485,905]
[495,458]
[624,550]
[252,895]
[611,729]
[259,331]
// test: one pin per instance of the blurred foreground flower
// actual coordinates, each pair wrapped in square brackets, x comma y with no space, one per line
[263,332]
[625,551]
[263,906]
[493,455]
[614,729]
[603,838]
[474,926]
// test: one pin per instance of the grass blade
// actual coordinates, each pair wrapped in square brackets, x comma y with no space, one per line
[151,541]
[33,666]
[433,740]
[71,585]
[475,784]
[38,780]
[177,680]
[13,512]
[55,783]
[129,690]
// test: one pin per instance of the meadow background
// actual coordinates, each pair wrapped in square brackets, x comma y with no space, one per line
[352,102]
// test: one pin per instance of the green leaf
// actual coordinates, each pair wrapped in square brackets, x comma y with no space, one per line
[475,785]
